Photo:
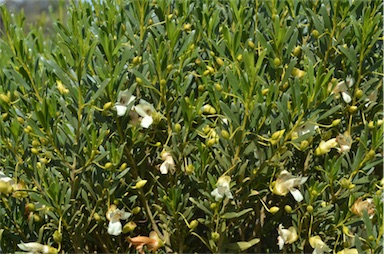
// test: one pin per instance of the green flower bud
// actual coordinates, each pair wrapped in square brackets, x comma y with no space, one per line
[57,236]
[128,227]
[315,34]
[251,44]
[215,236]
[193,224]
[136,210]
[274,209]
[225,134]
[140,184]
[310,209]
[288,208]
[107,105]
[177,127]
[190,169]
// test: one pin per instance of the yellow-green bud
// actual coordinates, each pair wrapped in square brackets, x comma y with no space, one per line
[210,69]
[208,109]
[201,88]
[213,206]
[215,236]
[239,57]
[206,72]
[359,93]
[309,208]
[35,143]
[136,60]
[193,224]
[97,217]
[352,109]
[315,34]
[264,91]
[288,208]
[251,44]
[139,80]
[30,207]
[296,51]
[218,87]
[57,236]
[177,127]
[187,27]
[314,193]
[336,122]
[36,217]
[219,61]
[5,188]
[190,169]
[5,98]
[198,61]
[210,142]
[108,165]
[163,82]
[140,184]
[136,210]
[303,145]
[276,61]
[128,227]
[107,105]
[169,67]
[274,209]
[123,166]
[34,150]
[225,134]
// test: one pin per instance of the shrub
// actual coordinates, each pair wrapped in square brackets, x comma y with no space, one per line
[210,126]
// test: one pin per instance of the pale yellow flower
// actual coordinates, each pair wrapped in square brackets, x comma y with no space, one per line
[344,141]
[318,245]
[114,215]
[168,163]
[145,110]
[286,183]
[286,236]
[326,146]
[37,248]
[223,188]
[124,100]
[348,251]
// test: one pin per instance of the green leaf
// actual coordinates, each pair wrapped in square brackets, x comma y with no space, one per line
[242,246]
[231,215]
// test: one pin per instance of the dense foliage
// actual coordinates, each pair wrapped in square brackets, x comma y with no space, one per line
[210,126]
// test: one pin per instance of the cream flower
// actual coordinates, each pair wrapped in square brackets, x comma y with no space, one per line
[344,141]
[168,163]
[223,188]
[304,129]
[286,236]
[342,88]
[37,247]
[6,179]
[286,182]
[319,246]
[125,98]
[348,251]
[153,242]
[326,146]
[114,215]
[145,110]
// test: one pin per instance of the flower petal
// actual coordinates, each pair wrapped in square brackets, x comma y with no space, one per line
[146,121]
[296,194]
[121,109]
[164,168]
[215,193]
[280,242]
[346,97]
[114,228]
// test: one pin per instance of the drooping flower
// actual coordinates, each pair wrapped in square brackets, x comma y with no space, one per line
[124,100]
[153,242]
[286,182]
[344,141]
[360,205]
[348,251]
[342,88]
[168,163]
[34,247]
[114,215]
[223,188]
[145,110]
[286,236]
[303,129]
[319,246]
[326,146]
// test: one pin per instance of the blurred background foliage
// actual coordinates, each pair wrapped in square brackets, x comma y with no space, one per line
[245,89]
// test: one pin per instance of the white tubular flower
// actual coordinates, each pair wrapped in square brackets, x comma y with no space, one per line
[223,188]
[319,246]
[125,98]
[168,163]
[114,215]
[286,236]
[37,247]
[145,110]
[344,141]
[326,146]
[286,182]
[342,87]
